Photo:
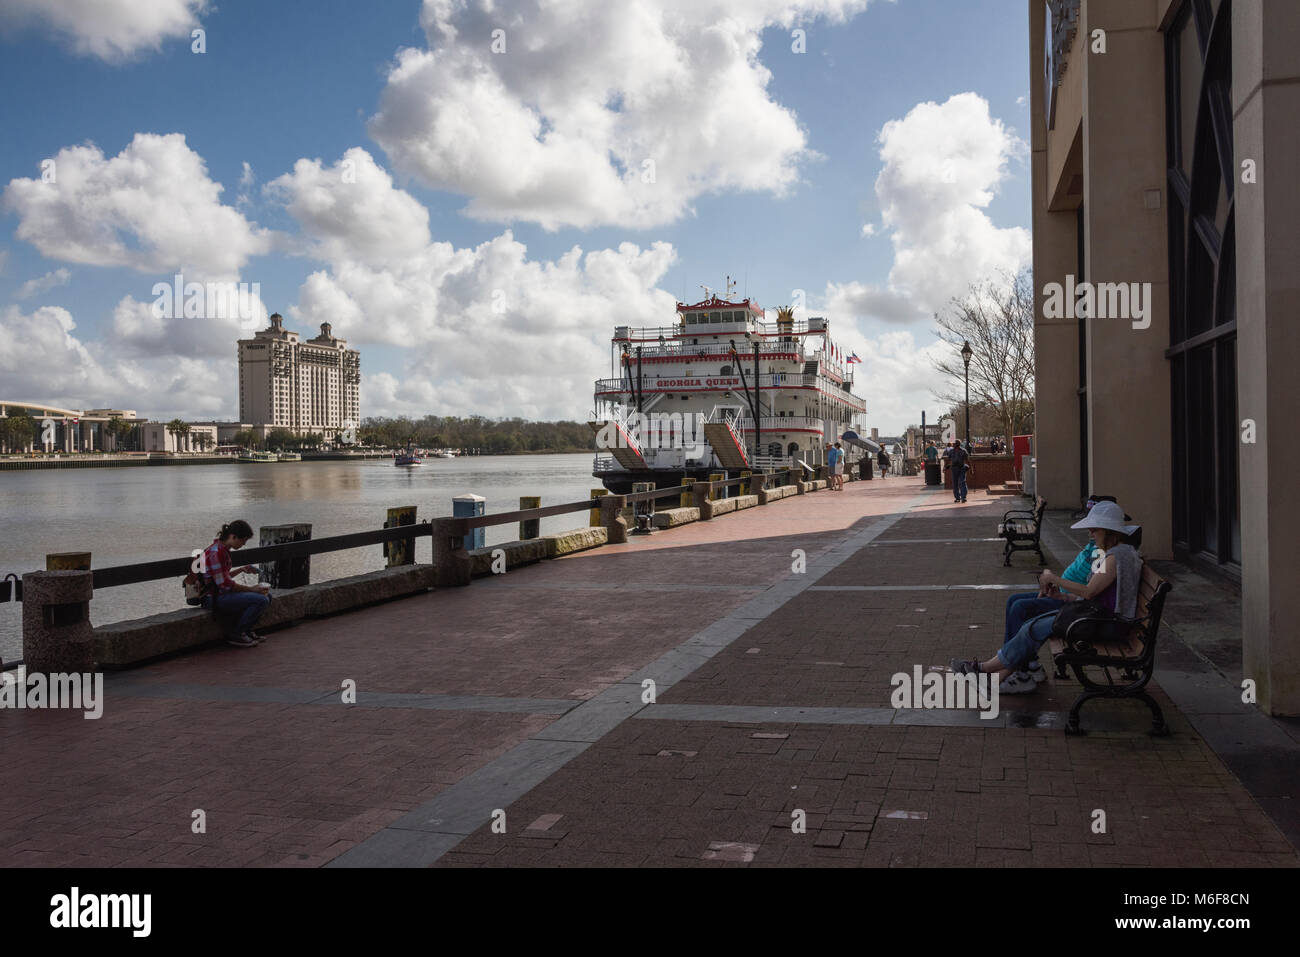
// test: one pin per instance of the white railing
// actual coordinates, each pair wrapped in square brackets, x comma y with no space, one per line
[744,349]
[604,463]
[779,423]
[799,327]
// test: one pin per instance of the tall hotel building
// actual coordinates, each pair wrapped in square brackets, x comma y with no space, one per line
[311,386]
[1166,151]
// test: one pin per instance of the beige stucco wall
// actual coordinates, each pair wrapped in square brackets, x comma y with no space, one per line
[1266,102]
[1125,160]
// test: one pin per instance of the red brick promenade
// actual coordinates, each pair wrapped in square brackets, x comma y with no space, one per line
[523,694]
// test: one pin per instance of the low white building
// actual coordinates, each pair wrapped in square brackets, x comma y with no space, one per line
[155,437]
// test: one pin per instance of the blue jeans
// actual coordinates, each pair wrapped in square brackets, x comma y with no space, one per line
[1024,645]
[242,608]
[1026,605]
[959,484]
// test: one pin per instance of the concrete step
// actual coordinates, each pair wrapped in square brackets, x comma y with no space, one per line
[1001,490]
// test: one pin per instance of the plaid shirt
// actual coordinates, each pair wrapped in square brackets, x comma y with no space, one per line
[216,566]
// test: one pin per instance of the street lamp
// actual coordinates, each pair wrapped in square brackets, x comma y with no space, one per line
[966,353]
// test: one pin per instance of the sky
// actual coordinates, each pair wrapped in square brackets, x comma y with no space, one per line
[475,192]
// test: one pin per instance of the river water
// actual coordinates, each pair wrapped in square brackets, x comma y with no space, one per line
[127,515]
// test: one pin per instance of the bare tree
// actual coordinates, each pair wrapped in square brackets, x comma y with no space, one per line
[996,317]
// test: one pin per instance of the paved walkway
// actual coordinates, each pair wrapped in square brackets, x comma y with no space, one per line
[519,703]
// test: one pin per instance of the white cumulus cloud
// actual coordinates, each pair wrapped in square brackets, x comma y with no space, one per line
[112,30]
[487,329]
[152,207]
[51,280]
[943,163]
[595,112]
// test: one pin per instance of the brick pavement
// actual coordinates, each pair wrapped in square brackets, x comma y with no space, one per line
[526,686]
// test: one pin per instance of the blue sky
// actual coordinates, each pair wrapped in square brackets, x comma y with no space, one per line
[781,207]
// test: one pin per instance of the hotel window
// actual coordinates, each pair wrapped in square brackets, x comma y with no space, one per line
[1202,272]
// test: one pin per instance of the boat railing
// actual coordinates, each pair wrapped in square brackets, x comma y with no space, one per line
[636,334]
[709,351]
[779,423]
[658,383]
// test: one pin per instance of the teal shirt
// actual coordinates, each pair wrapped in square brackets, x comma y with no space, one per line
[1081,568]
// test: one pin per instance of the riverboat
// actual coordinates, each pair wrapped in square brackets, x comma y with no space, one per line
[721,391]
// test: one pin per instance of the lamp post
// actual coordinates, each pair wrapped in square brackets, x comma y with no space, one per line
[966,353]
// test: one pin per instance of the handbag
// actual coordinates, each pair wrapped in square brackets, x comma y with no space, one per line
[1085,622]
[194,589]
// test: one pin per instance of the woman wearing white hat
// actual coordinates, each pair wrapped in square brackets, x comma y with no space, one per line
[1113,584]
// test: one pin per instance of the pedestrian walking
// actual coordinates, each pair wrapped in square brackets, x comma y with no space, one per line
[958,465]
[839,468]
[882,459]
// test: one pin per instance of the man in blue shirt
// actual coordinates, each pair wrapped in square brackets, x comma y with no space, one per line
[832,459]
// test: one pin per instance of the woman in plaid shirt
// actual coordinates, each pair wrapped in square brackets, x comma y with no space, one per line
[244,604]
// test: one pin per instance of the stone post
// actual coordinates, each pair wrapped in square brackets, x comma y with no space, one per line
[703,492]
[451,562]
[402,551]
[57,634]
[687,498]
[611,508]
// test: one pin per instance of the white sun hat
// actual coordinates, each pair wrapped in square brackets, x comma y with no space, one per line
[1106,515]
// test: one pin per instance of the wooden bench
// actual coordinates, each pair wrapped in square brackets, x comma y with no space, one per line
[1022,527]
[1127,664]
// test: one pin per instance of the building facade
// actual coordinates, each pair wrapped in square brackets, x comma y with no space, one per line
[304,386]
[155,437]
[70,430]
[1166,229]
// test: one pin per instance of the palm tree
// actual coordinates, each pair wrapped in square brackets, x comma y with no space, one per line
[178,428]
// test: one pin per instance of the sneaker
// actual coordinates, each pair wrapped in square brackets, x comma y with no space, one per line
[1018,683]
[1036,671]
[959,666]
[241,641]
[256,636]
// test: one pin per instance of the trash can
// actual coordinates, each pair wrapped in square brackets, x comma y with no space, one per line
[864,468]
[933,474]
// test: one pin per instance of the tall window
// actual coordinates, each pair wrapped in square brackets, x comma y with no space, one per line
[1202,273]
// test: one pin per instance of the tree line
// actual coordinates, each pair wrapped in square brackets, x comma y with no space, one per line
[489,436]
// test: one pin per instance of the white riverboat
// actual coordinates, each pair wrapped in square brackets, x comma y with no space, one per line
[721,391]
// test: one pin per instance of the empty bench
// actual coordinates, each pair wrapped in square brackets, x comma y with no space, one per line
[1022,528]
[1127,664]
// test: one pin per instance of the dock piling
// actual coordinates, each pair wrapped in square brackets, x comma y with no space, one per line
[402,551]
[530,528]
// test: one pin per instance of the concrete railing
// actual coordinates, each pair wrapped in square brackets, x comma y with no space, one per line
[59,637]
